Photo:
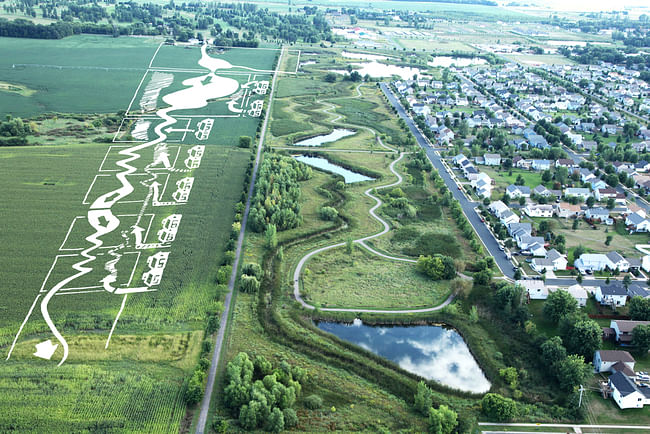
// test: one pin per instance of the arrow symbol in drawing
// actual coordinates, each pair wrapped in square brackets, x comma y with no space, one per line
[106,281]
[137,231]
[178,130]
[45,350]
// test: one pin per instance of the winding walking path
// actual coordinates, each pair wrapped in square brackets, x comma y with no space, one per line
[362,241]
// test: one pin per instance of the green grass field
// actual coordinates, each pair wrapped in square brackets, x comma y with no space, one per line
[78,74]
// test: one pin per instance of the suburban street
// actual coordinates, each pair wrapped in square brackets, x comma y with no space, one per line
[486,236]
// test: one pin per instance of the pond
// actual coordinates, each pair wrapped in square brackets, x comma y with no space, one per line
[335,135]
[323,164]
[447,61]
[362,56]
[377,70]
[433,352]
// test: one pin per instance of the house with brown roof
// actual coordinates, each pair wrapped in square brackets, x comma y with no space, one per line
[604,361]
[623,329]
[566,210]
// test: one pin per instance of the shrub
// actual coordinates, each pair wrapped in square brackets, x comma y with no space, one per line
[499,408]
[253,269]
[313,402]
[245,141]
[328,213]
[249,284]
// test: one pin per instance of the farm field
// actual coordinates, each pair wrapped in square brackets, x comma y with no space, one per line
[69,75]
[145,280]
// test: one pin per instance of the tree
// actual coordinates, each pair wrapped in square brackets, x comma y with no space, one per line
[423,399]
[639,308]
[482,277]
[290,417]
[249,284]
[553,351]
[330,77]
[328,213]
[245,141]
[559,304]
[271,237]
[590,201]
[641,338]
[499,408]
[275,422]
[608,240]
[580,334]
[572,371]
[438,267]
[442,420]
[547,176]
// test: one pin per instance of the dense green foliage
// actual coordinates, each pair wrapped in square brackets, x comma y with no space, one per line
[13,132]
[580,334]
[260,395]
[498,408]
[437,267]
[639,308]
[558,304]
[277,193]
[641,338]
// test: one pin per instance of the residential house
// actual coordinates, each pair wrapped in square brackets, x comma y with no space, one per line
[618,261]
[492,159]
[599,214]
[541,164]
[498,208]
[637,223]
[597,184]
[536,289]
[613,294]
[604,360]
[540,190]
[635,290]
[589,145]
[566,162]
[508,217]
[582,193]
[578,292]
[608,128]
[603,194]
[553,261]
[623,329]
[593,262]
[566,210]
[516,191]
[421,109]
[626,393]
[535,210]
[536,248]
[642,166]
[458,159]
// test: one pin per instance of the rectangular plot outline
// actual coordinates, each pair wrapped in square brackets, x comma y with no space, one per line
[128,113]
[103,175]
[146,234]
[126,146]
[83,289]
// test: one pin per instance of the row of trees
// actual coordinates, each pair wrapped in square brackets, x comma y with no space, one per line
[261,396]
[277,193]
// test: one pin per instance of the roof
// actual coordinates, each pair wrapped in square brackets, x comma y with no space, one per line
[622,383]
[492,156]
[615,356]
[577,291]
[615,257]
[615,288]
[598,211]
[635,290]
[626,326]
[622,367]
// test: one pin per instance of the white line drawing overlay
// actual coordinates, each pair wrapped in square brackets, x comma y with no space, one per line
[109,244]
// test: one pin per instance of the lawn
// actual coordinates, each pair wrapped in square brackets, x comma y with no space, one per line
[594,239]
[503,178]
[364,280]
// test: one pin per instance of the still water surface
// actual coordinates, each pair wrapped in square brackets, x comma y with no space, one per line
[434,352]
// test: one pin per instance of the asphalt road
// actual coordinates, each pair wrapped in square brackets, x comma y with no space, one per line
[489,242]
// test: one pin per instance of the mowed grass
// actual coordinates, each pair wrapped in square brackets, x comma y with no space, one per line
[171,56]
[364,280]
[78,74]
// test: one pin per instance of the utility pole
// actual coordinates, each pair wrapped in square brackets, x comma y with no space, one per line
[582,389]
